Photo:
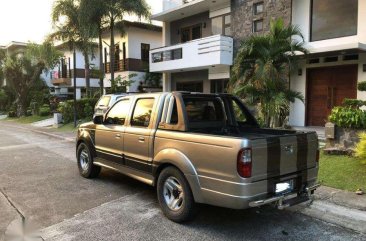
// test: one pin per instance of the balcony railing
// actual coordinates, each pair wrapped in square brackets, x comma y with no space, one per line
[127,65]
[197,54]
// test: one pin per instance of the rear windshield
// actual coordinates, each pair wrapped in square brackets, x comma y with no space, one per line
[204,109]
[104,101]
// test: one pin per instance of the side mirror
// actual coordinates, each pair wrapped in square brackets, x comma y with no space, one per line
[98,119]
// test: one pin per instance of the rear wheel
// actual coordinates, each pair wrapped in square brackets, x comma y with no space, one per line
[85,162]
[175,196]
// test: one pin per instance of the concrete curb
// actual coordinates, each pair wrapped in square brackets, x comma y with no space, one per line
[342,216]
[54,135]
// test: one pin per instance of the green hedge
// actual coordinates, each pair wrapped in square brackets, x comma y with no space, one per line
[362,86]
[354,103]
[348,117]
[84,109]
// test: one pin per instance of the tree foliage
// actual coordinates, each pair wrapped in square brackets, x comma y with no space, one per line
[23,71]
[2,59]
[262,67]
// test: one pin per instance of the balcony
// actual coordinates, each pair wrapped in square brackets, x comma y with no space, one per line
[61,81]
[178,9]
[202,53]
[126,65]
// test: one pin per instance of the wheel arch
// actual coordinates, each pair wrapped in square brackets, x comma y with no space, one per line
[175,158]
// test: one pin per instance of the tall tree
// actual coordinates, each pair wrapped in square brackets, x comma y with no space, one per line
[92,13]
[23,71]
[262,67]
[106,13]
[66,16]
[2,59]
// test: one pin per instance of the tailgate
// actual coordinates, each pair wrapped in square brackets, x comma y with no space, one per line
[278,156]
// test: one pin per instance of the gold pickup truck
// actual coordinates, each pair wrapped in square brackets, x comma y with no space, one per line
[199,148]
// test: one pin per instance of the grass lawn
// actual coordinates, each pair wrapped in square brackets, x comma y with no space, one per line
[28,119]
[342,172]
[70,126]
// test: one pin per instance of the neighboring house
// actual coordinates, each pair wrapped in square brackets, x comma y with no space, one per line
[202,36]
[63,74]
[335,32]
[131,52]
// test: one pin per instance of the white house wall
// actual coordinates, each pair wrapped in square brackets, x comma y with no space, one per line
[137,36]
[139,76]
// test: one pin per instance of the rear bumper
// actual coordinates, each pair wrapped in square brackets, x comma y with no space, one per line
[245,195]
[288,200]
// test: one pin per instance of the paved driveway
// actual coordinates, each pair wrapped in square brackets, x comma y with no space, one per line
[38,175]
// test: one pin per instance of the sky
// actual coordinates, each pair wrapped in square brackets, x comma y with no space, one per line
[29,20]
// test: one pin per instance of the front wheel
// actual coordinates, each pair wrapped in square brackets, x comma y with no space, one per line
[175,196]
[85,162]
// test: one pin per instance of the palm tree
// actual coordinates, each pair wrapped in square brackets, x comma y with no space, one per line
[106,13]
[73,31]
[262,67]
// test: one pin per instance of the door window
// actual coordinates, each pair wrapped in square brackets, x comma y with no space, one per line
[191,33]
[117,115]
[142,112]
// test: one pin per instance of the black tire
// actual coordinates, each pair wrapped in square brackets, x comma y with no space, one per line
[90,170]
[188,208]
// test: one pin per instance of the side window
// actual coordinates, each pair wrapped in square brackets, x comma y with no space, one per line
[117,115]
[142,112]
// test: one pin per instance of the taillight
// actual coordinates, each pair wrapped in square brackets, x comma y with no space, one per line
[244,164]
[317,155]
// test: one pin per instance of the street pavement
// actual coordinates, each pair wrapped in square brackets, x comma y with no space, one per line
[39,179]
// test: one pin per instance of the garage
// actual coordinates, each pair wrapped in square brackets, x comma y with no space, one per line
[328,87]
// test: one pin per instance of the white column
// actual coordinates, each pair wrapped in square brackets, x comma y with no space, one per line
[167,82]
[78,93]
[207,86]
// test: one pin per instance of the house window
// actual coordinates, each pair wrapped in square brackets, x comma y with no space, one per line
[221,25]
[145,48]
[258,25]
[191,33]
[167,55]
[333,19]
[258,8]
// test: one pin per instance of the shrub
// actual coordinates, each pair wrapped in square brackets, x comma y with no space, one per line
[12,114]
[44,110]
[360,150]
[84,109]
[348,117]
[354,103]
[29,112]
[362,86]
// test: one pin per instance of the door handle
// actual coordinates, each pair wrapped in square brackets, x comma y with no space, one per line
[118,135]
[141,139]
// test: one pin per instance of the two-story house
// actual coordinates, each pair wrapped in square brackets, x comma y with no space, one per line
[131,57]
[62,76]
[335,34]
[200,38]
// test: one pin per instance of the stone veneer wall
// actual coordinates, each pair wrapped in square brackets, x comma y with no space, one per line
[243,16]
